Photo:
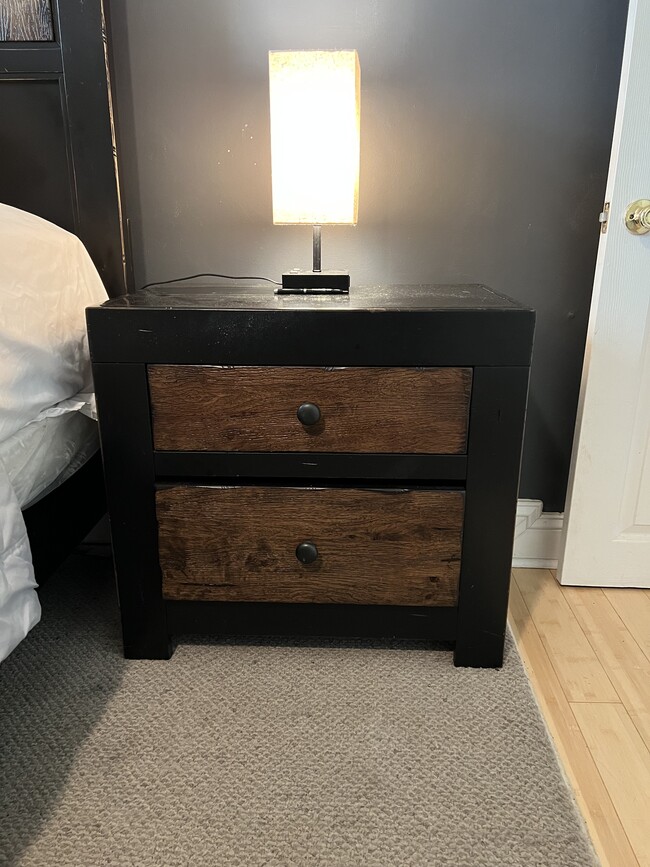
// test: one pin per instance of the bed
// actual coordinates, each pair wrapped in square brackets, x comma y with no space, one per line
[47,430]
[62,247]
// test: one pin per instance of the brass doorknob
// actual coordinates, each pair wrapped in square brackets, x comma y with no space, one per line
[637,217]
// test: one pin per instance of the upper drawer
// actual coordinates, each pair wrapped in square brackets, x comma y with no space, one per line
[362,409]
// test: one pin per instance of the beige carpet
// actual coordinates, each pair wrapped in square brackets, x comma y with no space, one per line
[267,754]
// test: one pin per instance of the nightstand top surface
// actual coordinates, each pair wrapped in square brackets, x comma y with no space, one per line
[464,326]
[262,297]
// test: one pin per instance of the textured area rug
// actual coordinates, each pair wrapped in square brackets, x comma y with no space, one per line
[267,753]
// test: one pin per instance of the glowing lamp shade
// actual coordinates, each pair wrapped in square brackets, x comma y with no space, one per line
[314,136]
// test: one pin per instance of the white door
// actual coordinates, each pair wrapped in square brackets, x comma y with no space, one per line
[607,520]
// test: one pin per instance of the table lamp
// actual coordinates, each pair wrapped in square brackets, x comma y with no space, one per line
[315,152]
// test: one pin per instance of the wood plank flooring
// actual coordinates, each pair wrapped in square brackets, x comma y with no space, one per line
[587,653]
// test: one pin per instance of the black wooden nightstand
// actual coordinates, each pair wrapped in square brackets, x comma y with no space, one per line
[341,466]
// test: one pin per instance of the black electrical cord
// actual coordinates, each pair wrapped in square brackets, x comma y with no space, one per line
[207,274]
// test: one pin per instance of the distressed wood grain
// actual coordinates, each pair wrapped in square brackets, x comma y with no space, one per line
[26,21]
[399,547]
[379,409]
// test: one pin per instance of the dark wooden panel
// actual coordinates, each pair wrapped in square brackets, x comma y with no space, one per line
[35,173]
[26,21]
[496,430]
[244,409]
[309,335]
[393,547]
[92,138]
[420,299]
[434,469]
[284,618]
[125,431]
[57,523]
[57,138]
[20,60]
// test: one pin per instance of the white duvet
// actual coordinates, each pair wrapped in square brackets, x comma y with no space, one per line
[47,280]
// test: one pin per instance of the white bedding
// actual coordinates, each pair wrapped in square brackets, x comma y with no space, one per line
[19,605]
[45,453]
[46,281]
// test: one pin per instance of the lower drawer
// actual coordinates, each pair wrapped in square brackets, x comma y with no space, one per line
[340,545]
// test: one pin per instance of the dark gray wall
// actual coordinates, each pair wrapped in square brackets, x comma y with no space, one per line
[486,130]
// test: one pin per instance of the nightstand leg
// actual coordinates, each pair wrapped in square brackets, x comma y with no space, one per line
[144,628]
[497,417]
[127,452]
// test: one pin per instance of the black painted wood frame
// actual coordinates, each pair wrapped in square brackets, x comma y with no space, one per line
[59,521]
[125,431]
[76,61]
[496,427]
[489,472]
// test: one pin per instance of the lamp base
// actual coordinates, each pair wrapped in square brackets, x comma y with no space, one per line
[325,282]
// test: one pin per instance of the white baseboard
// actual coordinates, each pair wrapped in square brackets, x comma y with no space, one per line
[537,536]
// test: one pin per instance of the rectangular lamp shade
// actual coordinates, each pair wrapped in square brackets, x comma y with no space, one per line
[314,136]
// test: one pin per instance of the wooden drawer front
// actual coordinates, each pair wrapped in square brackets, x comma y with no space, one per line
[239,544]
[252,409]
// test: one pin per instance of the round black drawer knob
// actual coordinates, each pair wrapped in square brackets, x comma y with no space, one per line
[308,414]
[307,552]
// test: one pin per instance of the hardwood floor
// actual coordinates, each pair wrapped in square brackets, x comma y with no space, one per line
[587,653]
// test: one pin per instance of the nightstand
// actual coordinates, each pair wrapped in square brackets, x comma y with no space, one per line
[308,465]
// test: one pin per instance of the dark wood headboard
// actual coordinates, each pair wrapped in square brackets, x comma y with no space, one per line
[57,142]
